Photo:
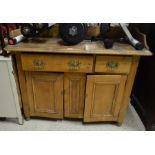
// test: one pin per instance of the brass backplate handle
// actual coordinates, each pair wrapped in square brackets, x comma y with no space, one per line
[112,65]
[74,64]
[38,63]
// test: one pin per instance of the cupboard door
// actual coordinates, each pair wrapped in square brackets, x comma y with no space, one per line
[45,94]
[74,96]
[103,97]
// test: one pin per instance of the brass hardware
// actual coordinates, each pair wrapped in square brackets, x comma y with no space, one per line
[112,65]
[74,64]
[39,63]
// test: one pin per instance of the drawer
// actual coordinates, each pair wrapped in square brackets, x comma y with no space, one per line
[113,64]
[57,63]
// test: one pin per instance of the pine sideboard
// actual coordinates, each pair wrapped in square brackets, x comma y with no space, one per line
[84,81]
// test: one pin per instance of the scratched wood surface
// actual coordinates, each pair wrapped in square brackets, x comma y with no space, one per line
[56,45]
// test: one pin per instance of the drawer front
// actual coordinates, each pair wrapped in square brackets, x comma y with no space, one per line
[57,63]
[113,64]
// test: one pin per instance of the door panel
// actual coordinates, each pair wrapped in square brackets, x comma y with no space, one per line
[103,97]
[45,92]
[74,85]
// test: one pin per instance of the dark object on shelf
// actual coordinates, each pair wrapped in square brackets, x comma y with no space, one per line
[28,30]
[104,28]
[108,43]
[73,33]
[135,43]
[40,26]
[143,94]
[139,46]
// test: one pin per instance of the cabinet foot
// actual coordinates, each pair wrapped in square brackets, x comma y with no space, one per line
[27,118]
[119,124]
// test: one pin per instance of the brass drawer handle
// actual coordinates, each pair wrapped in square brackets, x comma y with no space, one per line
[39,63]
[74,64]
[112,65]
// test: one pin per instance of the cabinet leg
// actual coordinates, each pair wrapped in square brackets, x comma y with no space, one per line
[119,124]
[27,118]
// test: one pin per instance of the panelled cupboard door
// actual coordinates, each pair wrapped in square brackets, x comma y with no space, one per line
[45,94]
[104,95]
[74,96]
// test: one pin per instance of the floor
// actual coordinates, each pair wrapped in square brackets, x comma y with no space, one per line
[132,123]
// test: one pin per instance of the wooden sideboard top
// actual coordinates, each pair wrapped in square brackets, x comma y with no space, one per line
[56,45]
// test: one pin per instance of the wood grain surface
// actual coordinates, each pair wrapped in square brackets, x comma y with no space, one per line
[56,45]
